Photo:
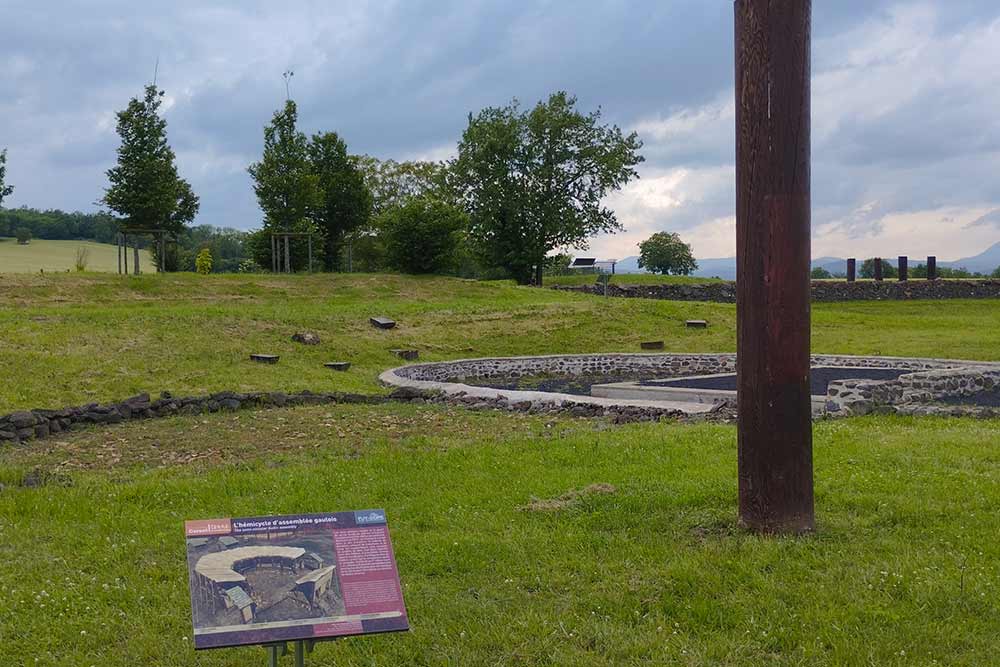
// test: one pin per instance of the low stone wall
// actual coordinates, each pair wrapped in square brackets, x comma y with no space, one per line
[30,424]
[907,392]
[822,290]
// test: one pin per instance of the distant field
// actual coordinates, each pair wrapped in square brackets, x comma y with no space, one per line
[51,256]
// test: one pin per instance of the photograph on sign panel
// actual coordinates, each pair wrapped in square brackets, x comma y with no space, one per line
[263,581]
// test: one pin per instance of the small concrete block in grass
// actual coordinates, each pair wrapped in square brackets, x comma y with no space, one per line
[696,324]
[652,345]
[338,365]
[382,322]
[264,358]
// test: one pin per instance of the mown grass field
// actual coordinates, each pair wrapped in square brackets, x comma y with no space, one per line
[627,279]
[904,568]
[499,565]
[73,339]
[60,256]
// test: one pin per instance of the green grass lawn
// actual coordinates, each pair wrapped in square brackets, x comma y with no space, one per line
[904,568]
[73,339]
[499,565]
[60,256]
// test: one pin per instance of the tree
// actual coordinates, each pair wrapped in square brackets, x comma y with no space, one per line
[287,189]
[146,189]
[423,236]
[665,253]
[344,201]
[868,269]
[392,184]
[819,273]
[996,273]
[5,190]
[203,262]
[23,235]
[534,181]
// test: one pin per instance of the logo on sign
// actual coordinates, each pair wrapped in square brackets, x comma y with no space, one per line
[369,517]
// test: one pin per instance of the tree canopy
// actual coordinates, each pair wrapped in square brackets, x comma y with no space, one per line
[145,188]
[344,203]
[5,190]
[287,189]
[666,253]
[534,181]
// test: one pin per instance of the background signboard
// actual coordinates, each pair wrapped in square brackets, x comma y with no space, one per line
[270,579]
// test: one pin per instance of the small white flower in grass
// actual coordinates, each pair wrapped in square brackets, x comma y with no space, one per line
[83,632]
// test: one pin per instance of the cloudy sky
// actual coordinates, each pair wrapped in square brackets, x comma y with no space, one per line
[906,127]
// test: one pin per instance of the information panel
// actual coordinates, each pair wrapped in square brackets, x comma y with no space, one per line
[284,578]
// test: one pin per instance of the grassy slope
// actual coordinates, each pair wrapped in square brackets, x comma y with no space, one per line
[70,339]
[51,256]
[904,569]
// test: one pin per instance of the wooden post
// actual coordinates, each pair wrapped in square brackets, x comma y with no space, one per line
[931,267]
[135,256]
[902,267]
[773,256]
[118,244]
[878,269]
[125,250]
[310,254]
[852,270]
[288,255]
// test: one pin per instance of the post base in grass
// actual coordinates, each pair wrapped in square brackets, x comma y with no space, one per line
[265,358]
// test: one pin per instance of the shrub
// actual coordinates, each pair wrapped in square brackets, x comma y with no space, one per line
[423,236]
[23,235]
[82,257]
[819,273]
[203,262]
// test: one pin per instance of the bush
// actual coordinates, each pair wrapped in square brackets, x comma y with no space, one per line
[423,236]
[23,235]
[868,269]
[996,273]
[203,262]
[82,257]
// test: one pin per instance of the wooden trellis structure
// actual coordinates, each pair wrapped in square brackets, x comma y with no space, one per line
[281,250]
[159,238]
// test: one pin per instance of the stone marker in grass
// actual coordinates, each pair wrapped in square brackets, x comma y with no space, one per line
[338,365]
[382,322]
[306,338]
[264,358]
[409,355]
[652,345]
[696,324]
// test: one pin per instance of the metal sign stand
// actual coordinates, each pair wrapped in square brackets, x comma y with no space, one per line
[302,646]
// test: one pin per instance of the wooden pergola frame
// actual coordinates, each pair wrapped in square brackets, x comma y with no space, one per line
[159,237]
[281,253]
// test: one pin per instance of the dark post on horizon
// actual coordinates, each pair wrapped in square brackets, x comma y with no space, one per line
[773,252]
[902,267]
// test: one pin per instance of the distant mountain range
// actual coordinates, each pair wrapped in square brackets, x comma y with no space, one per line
[725,267]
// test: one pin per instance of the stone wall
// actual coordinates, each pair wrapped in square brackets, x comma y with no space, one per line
[30,424]
[904,394]
[822,290]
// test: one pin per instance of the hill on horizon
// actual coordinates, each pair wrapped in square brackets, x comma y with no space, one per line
[725,267]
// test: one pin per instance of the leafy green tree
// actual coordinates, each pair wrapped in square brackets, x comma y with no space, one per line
[145,188]
[23,235]
[819,273]
[867,269]
[345,203]
[996,273]
[392,184]
[5,190]
[203,262]
[423,235]
[666,253]
[287,189]
[534,181]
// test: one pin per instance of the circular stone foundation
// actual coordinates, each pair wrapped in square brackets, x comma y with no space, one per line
[642,380]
